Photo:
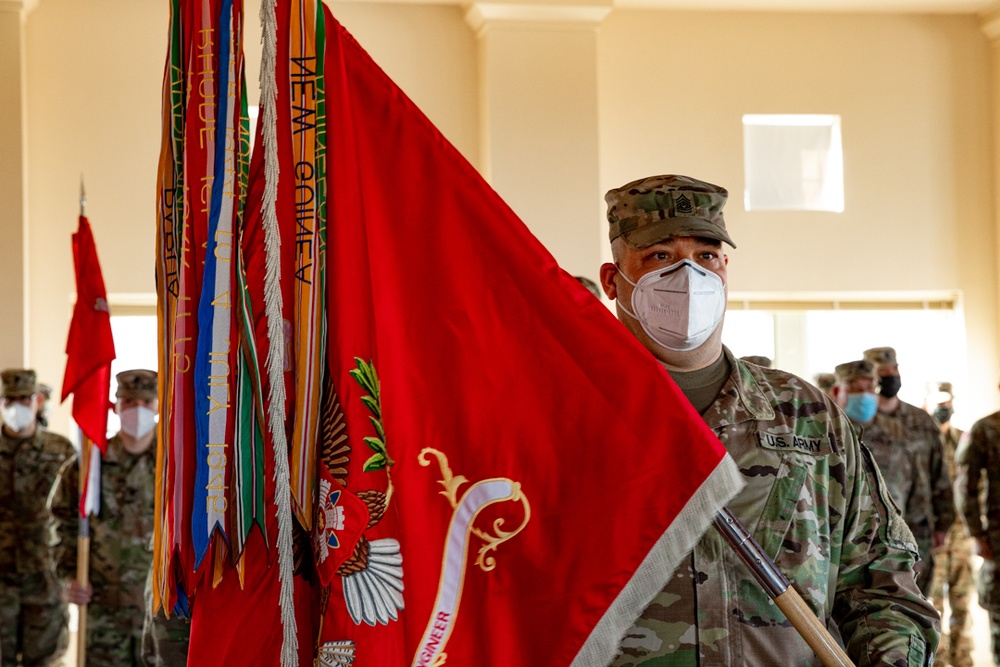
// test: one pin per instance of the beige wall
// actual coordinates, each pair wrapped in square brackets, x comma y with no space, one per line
[913,93]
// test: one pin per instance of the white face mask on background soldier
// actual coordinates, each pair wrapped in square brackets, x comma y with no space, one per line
[17,416]
[680,306]
[137,421]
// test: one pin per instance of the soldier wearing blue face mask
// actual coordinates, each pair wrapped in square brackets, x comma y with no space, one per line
[887,438]
[855,392]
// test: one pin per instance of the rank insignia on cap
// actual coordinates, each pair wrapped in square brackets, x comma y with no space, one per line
[683,205]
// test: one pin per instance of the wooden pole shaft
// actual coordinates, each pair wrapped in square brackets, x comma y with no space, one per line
[780,590]
[82,578]
[813,632]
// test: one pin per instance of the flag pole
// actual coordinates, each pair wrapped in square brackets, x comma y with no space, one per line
[781,591]
[83,551]
[83,536]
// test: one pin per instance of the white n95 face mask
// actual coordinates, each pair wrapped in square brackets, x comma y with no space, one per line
[137,421]
[680,306]
[17,416]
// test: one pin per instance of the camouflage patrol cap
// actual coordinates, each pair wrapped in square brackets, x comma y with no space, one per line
[881,355]
[45,390]
[758,360]
[862,368]
[825,381]
[19,382]
[655,208]
[139,384]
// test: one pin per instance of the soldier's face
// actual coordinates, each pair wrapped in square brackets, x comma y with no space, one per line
[637,262]
[859,385]
[33,401]
[126,403]
[888,371]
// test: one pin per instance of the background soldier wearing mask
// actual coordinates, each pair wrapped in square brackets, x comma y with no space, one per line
[884,436]
[933,509]
[120,531]
[32,611]
[977,463]
[813,499]
[825,382]
[952,560]
[43,411]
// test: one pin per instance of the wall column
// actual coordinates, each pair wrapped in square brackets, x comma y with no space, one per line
[538,120]
[13,184]
[989,22]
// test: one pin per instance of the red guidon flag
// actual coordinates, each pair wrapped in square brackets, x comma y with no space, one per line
[90,347]
[504,475]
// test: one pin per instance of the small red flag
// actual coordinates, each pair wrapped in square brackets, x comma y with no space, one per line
[90,347]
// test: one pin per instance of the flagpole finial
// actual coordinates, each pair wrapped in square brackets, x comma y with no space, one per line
[83,198]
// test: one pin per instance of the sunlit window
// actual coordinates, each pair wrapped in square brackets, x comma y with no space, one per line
[793,163]
[809,337]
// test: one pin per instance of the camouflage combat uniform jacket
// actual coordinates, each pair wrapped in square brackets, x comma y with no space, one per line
[886,439]
[817,505]
[28,466]
[120,536]
[933,497]
[33,612]
[980,451]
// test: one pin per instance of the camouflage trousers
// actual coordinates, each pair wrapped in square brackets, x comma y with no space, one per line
[165,640]
[33,620]
[953,576]
[989,599]
[114,637]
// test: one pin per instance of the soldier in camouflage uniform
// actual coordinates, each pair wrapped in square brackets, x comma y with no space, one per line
[813,498]
[32,611]
[120,531]
[883,435]
[825,382]
[977,462]
[933,502]
[952,560]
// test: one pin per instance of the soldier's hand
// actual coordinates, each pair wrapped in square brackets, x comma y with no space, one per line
[939,538]
[984,549]
[77,594]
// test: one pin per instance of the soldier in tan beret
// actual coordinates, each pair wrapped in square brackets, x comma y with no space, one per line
[33,618]
[933,508]
[121,529]
[812,499]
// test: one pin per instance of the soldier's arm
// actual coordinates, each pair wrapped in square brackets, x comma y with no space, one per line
[883,617]
[971,459]
[64,503]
